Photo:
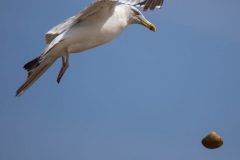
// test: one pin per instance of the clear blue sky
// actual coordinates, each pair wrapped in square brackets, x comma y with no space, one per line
[143,96]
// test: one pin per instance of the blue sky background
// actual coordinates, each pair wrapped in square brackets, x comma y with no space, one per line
[143,96]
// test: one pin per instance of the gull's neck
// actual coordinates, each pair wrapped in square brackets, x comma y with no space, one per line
[122,12]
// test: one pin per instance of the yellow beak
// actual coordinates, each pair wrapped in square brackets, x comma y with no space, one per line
[148,24]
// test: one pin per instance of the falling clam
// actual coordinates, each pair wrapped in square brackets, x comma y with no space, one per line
[212,141]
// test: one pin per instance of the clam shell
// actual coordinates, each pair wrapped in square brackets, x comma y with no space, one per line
[212,141]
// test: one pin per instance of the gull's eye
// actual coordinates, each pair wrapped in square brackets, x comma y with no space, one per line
[136,12]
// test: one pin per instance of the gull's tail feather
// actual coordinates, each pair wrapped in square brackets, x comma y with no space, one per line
[35,69]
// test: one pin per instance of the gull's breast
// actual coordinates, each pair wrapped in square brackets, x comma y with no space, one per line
[94,33]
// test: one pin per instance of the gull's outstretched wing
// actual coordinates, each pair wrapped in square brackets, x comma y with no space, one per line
[146,4]
[93,8]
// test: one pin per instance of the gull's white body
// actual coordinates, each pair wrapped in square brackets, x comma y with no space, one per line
[84,35]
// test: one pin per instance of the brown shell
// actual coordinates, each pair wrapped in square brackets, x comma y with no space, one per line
[212,140]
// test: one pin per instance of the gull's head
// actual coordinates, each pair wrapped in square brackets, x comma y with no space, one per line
[136,17]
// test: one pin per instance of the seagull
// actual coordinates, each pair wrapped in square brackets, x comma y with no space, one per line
[95,25]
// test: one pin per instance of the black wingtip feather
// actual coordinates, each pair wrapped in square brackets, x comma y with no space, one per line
[150,4]
[32,64]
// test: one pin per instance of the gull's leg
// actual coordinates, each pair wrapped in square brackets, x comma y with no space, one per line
[65,65]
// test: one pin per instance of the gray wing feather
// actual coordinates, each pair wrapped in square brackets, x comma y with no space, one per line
[146,4]
[60,28]
[85,13]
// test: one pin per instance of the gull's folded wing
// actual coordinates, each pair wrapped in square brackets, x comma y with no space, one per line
[93,8]
[60,28]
